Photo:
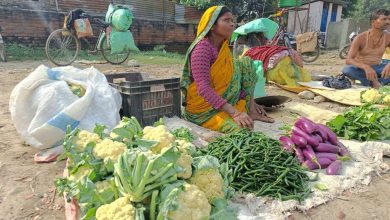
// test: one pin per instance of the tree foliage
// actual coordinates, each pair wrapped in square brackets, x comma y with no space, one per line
[244,9]
[363,8]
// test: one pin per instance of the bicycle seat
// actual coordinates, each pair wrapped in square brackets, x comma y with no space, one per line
[102,23]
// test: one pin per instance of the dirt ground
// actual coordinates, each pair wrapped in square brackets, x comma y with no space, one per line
[27,190]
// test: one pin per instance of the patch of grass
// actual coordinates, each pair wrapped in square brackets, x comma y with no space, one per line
[157,57]
[18,52]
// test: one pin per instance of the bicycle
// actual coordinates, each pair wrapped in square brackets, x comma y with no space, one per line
[63,46]
[282,37]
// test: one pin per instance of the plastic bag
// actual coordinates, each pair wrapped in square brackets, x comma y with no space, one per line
[121,19]
[42,105]
[122,41]
[83,28]
[338,82]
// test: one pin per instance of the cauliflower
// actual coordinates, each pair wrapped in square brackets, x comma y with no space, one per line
[120,209]
[210,182]
[160,134]
[81,172]
[371,95]
[83,138]
[185,146]
[108,149]
[183,201]
[208,178]
[386,100]
[185,162]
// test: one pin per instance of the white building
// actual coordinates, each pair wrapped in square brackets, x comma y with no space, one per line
[314,15]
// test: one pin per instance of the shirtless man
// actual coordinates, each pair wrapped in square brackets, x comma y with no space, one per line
[364,57]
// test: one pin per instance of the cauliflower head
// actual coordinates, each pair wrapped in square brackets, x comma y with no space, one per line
[120,209]
[386,100]
[210,182]
[81,172]
[109,149]
[186,147]
[371,95]
[83,138]
[160,134]
[191,202]
[185,162]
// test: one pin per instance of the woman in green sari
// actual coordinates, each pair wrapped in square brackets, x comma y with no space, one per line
[218,91]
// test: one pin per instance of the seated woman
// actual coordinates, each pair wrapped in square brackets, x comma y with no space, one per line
[281,65]
[217,89]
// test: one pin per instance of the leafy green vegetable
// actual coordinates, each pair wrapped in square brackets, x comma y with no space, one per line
[363,123]
[139,173]
[183,134]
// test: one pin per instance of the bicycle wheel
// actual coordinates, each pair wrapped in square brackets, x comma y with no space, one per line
[310,57]
[344,52]
[116,58]
[62,47]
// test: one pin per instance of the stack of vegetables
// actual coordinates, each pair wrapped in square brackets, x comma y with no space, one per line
[316,146]
[260,166]
[376,96]
[135,173]
[363,123]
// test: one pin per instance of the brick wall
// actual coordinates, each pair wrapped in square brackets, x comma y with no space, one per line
[27,26]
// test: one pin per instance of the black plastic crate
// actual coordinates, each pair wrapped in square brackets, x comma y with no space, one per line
[114,81]
[116,78]
[150,100]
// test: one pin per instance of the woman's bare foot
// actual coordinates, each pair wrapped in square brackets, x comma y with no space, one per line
[257,113]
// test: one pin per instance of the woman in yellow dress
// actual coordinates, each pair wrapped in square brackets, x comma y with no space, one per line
[217,90]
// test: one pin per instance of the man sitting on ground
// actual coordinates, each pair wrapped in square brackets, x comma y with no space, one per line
[364,57]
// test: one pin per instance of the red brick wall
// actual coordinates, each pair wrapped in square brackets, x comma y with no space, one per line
[28,26]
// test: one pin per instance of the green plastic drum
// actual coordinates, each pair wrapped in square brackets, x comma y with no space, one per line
[289,3]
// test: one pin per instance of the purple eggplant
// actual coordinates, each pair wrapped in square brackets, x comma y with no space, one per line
[332,137]
[343,149]
[299,154]
[310,140]
[318,137]
[298,140]
[287,143]
[306,125]
[330,156]
[309,154]
[310,165]
[327,148]
[334,168]
[322,134]
[324,162]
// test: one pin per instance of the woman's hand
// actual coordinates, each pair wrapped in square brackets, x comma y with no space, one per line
[243,120]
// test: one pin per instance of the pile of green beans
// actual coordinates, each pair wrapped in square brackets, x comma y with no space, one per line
[259,165]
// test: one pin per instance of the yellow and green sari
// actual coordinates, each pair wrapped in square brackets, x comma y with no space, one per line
[228,78]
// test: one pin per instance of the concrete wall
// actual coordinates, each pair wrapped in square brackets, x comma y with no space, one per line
[338,32]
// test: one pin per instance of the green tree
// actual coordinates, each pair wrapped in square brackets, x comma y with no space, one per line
[248,9]
[349,7]
[364,8]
